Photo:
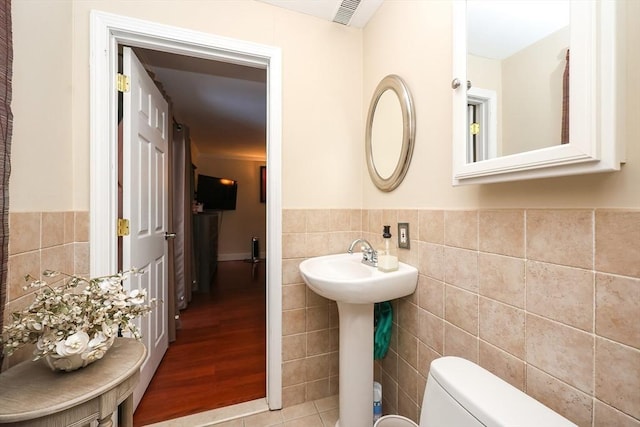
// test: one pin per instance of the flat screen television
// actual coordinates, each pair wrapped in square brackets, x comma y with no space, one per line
[216,193]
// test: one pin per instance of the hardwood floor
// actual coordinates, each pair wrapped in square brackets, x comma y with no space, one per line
[219,356]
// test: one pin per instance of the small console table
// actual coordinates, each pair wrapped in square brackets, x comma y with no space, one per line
[31,394]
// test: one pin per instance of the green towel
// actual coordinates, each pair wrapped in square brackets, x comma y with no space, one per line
[383,319]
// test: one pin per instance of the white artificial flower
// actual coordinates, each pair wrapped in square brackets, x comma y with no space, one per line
[109,330]
[97,340]
[104,285]
[98,307]
[137,297]
[120,301]
[74,344]
[33,325]
[95,354]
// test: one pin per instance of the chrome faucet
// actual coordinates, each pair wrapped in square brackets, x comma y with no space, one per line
[369,255]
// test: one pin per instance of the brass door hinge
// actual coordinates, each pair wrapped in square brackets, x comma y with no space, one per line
[123,227]
[122,83]
[474,128]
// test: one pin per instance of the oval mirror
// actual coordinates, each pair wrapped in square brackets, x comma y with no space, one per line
[390,133]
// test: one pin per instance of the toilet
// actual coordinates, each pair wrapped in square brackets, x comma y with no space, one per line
[462,394]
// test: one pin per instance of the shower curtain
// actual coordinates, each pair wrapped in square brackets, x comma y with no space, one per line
[564,137]
[6,126]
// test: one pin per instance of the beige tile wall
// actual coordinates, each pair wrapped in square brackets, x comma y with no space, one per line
[309,321]
[549,300]
[39,241]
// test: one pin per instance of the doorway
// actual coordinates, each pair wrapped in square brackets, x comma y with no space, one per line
[482,124]
[107,32]
[218,357]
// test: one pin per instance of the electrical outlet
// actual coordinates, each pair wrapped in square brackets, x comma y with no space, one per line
[403,235]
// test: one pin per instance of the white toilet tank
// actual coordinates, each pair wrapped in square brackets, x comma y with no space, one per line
[462,394]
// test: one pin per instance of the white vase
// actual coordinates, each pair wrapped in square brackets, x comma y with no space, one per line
[72,362]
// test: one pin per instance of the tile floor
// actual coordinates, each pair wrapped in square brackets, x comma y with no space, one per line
[319,413]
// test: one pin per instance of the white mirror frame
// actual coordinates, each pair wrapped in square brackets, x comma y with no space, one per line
[596,103]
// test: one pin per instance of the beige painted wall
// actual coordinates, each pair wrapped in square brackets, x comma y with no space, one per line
[324,105]
[322,96]
[42,153]
[421,54]
[250,218]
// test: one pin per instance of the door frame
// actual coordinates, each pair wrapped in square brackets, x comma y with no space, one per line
[107,31]
[487,100]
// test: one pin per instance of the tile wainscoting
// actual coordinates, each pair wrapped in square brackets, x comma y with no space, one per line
[309,321]
[548,300]
[40,241]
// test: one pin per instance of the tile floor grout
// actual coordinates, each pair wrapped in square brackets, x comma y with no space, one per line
[320,413]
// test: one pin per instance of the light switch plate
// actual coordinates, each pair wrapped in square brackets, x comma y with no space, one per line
[403,235]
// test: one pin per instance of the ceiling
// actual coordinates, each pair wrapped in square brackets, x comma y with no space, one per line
[224,105]
[326,9]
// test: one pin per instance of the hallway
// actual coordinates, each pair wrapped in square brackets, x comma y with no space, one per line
[218,358]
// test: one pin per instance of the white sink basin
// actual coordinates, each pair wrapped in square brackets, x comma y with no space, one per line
[356,287]
[345,278]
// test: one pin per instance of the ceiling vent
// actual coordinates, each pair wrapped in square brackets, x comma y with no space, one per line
[345,11]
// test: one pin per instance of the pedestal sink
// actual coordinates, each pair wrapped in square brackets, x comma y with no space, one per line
[356,287]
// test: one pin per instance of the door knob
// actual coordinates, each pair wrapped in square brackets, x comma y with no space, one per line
[168,236]
[455,83]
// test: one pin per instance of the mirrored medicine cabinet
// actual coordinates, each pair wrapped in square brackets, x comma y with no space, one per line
[536,93]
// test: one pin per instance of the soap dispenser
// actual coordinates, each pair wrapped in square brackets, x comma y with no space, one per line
[387,258]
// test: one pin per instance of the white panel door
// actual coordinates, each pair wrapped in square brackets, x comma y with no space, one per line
[145,204]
